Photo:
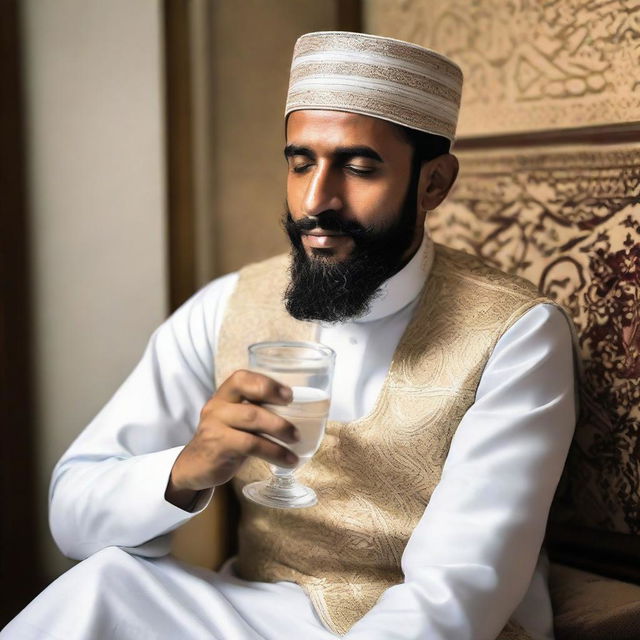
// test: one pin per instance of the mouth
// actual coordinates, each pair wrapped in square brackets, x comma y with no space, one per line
[321,233]
[319,239]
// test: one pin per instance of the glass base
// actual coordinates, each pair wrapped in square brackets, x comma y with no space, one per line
[281,493]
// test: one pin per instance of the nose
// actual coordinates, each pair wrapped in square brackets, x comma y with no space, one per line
[323,191]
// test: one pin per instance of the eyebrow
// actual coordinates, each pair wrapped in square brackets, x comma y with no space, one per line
[340,153]
[292,150]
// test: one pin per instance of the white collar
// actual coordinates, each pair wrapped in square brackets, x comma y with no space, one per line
[402,288]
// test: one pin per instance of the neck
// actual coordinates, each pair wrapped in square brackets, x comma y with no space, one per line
[415,245]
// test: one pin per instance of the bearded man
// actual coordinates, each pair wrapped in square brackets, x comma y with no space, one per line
[451,416]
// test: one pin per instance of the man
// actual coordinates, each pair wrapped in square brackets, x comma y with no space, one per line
[451,416]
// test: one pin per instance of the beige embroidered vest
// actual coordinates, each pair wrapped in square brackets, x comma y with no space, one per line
[373,476]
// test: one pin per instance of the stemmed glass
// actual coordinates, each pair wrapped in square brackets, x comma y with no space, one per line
[306,367]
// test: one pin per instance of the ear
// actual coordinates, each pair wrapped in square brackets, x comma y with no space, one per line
[436,179]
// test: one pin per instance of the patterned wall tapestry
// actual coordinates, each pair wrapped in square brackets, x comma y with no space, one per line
[569,221]
[528,65]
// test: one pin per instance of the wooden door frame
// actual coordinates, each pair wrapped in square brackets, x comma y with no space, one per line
[20,561]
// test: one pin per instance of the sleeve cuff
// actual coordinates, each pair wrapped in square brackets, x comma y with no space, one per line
[201,501]
[161,515]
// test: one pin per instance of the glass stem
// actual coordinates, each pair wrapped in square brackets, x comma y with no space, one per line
[282,477]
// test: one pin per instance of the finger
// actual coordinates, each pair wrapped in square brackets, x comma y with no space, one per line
[250,444]
[256,387]
[256,419]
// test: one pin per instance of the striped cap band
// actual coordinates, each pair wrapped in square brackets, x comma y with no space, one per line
[375,76]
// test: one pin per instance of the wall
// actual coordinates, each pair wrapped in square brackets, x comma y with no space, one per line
[93,79]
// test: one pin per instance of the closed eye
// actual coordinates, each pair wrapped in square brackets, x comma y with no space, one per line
[360,171]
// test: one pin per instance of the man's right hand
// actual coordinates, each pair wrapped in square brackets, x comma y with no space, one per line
[230,428]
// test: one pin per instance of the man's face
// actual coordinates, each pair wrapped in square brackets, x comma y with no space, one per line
[354,165]
[351,217]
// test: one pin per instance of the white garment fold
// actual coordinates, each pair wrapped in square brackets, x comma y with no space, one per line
[473,560]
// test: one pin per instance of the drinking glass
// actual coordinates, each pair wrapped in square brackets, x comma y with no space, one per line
[306,367]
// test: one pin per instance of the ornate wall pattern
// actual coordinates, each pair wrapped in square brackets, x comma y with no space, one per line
[568,219]
[528,65]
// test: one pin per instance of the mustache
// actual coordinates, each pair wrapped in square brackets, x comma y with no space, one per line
[329,220]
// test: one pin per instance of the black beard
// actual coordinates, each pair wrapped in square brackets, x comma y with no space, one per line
[337,290]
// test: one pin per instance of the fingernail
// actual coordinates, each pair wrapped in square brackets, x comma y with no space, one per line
[286,394]
[295,434]
[291,458]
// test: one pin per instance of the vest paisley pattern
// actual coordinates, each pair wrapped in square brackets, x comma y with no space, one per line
[373,476]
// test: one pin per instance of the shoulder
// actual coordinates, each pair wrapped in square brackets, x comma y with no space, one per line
[540,314]
[198,319]
[460,265]
[211,294]
[541,344]
[546,323]
[216,293]
[208,299]
[253,285]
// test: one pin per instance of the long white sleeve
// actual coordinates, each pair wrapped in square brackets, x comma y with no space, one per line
[471,558]
[108,488]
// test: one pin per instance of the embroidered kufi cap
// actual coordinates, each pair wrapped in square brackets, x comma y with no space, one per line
[381,77]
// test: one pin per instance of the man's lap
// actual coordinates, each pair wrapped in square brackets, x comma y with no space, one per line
[113,594]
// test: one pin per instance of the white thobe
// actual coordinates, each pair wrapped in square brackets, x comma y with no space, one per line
[473,561]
